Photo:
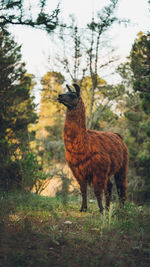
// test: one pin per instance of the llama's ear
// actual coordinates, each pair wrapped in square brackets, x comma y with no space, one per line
[77,88]
[68,88]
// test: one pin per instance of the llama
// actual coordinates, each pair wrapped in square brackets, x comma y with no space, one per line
[93,156]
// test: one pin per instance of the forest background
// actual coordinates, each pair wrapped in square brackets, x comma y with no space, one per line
[49,231]
[32,150]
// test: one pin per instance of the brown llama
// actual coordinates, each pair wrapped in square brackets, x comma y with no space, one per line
[93,156]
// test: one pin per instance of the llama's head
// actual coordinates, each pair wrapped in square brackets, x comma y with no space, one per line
[71,98]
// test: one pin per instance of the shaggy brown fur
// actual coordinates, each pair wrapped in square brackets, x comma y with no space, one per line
[93,156]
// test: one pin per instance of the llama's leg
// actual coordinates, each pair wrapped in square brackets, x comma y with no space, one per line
[83,187]
[98,189]
[121,184]
[108,194]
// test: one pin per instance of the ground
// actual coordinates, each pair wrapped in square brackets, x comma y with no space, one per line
[42,231]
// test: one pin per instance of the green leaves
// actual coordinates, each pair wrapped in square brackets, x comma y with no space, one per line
[105,18]
[16,111]
[140,65]
[21,13]
[136,78]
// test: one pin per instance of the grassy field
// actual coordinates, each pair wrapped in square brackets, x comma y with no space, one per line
[41,231]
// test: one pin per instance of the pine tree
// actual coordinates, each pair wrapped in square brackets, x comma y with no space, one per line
[136,75]
[140,65]
[16,111]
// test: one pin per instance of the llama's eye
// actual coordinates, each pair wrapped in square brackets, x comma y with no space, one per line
[73,95]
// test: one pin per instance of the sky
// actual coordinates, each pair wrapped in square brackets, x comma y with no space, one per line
[37,45]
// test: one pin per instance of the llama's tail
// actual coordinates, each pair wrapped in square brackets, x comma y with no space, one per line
[121,184]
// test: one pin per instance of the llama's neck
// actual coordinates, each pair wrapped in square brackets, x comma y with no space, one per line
[75,122]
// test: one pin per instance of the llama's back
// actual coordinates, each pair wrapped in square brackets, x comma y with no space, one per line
[109,149]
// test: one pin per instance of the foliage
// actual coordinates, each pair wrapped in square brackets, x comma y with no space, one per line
[135,74]
[139,143]
[140,65]
[49,127]
[21,13]
[32,171]
[31,224]
[17,111]
[105,98]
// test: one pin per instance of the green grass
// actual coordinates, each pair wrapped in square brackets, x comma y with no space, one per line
[42,231]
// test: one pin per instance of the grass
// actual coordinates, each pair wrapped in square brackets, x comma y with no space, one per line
[42,231]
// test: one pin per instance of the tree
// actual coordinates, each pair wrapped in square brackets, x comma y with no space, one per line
[102,115]
[138,141]
[17,112]
[136,76]
[105,20]
[49,127]
[20,13]
[140,65]
[87,58]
